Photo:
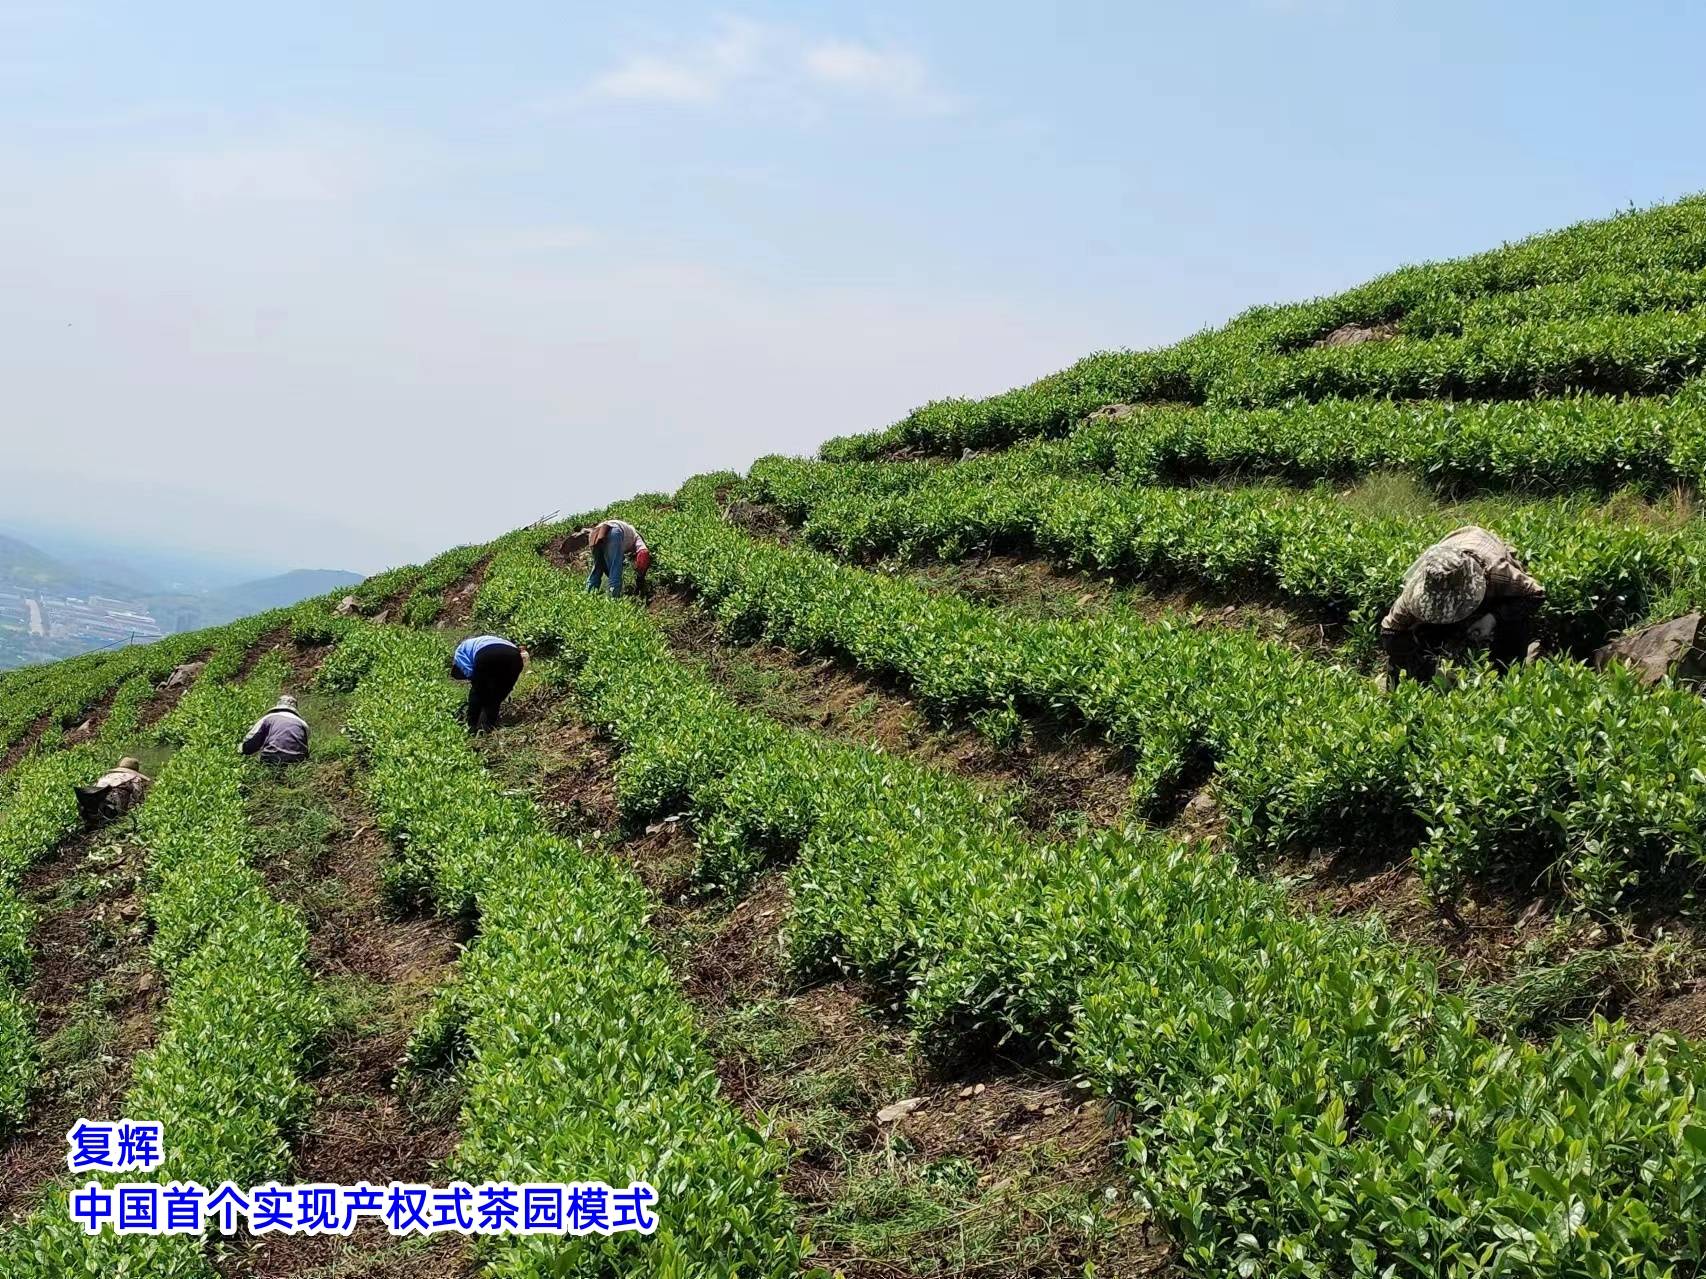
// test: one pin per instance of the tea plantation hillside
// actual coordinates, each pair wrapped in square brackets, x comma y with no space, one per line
[986,850]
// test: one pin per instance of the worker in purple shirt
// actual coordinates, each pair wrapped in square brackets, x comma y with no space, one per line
[280,736]
[491,665]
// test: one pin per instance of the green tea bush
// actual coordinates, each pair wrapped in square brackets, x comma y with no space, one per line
[73,682]
[1601,574]
[41,812]
[584,1062]
[1304,1100]
[1604,293]
[1585,441]
[1631,354]
[68,691]
[1308,755]
[1264,356]
[438,575]
[370,595]
[224,1074]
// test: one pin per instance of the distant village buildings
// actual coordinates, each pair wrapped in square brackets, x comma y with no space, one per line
[14,611]
[97,618]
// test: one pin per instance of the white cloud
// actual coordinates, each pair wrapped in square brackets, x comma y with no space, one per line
[694,75]
[762,60]
[894,74]
[654,79]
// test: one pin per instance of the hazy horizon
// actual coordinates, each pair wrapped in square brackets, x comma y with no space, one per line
[162,564]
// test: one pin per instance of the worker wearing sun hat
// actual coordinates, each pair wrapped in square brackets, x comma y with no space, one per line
[1467,586]
[114,793]
[280,736]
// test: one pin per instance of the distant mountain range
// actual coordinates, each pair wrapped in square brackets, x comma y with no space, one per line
[24,564]
[28,571]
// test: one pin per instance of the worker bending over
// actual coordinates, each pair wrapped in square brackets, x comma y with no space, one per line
[1469,587]
[613,541]
[280,736]
[491,665]
[113,794]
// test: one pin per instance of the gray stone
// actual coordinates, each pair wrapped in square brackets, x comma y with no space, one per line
[1666,648]
[899,1110]
[184,674]
[1354,334]
[1111,412]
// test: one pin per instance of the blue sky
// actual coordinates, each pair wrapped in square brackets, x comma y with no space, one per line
[348,284]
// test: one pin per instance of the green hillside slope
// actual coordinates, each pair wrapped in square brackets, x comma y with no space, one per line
[986,850]
[22,562]
[1566,325]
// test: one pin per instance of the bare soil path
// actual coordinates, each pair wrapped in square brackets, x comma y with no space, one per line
[1065,774]
[379,967]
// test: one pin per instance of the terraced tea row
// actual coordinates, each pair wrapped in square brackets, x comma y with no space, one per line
[1631,354]
[582,1059]
[1603,293]
[1601,574]
[1554,770]
[1263,356]
[224,1076]
[1548,445]
[1664,238]
[41,812]
[438,575]
[1637,354]
[66,691]
[1303,1097]
[29,694]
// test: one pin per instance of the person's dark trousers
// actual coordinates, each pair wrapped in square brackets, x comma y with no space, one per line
[1513,630]
[607,559]
[496,668]
[1415,653]
[1407,656]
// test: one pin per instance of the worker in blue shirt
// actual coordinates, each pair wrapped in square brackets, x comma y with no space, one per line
[491,665]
